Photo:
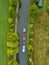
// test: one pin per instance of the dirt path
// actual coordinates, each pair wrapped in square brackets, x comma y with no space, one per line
[41,40]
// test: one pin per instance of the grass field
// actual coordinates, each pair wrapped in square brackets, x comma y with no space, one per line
[41,39]
[3,30]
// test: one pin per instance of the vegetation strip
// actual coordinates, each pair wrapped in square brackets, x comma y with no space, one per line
[12,37]
[32,50]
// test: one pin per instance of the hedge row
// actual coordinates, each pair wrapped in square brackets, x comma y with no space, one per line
[12,37]
[34,12]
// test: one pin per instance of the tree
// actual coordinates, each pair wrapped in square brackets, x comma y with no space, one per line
[12,44]
[12,37]
[34,11]
[13,2]
[12,62]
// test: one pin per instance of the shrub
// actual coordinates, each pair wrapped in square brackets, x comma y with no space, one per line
[34,11]
[12,62]
[47,10]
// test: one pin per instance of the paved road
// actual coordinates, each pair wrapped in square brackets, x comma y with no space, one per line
[23,22]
